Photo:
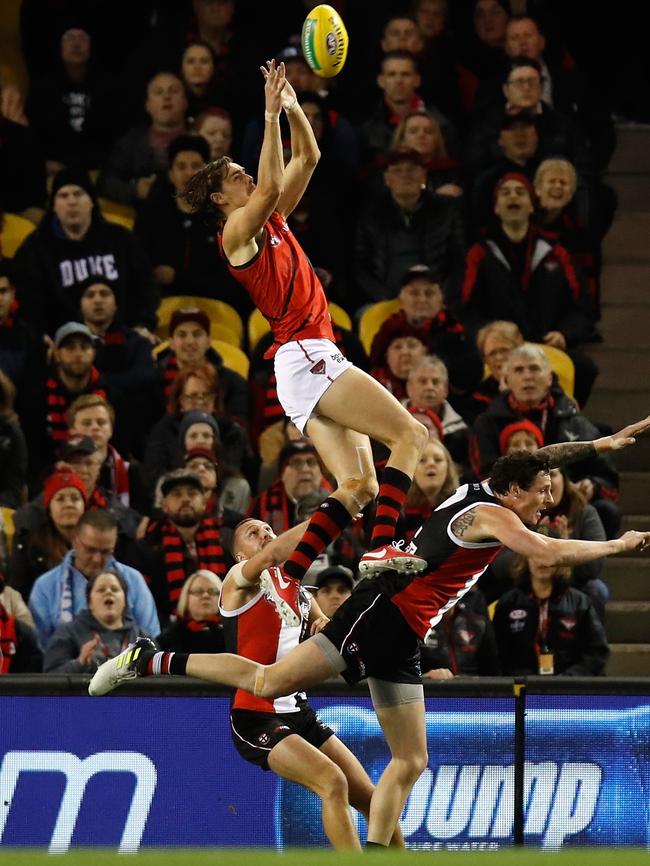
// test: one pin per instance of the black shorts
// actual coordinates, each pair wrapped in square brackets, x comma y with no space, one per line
[373,637]
[255,734]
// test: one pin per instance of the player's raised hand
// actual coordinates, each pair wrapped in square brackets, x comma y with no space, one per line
[274,83]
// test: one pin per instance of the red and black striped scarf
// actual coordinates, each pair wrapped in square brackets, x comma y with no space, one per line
[204,625]
[119,475]
[273,507]
[58,400]
[179,563]
[97,500]
[170,371]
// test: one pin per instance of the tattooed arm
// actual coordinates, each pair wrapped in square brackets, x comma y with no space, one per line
[568,452]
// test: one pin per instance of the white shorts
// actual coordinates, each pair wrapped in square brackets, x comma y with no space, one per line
[304,370]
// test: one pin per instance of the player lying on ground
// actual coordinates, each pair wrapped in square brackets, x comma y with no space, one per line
[337,405]
[284,734]
[375,632]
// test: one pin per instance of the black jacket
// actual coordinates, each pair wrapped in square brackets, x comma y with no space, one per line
[389,241]
[575,633]
[13,463]
[22,170]
[183,638]
[549,294]
[463,641]
[52,271]
[564,423]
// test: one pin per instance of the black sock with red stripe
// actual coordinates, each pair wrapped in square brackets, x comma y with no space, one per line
[326,524]
[393,490]
[163,663]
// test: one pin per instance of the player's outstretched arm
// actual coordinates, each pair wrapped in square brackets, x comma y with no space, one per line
[274,553]
[247,221]
[304,153]
[506,527]
[564,453]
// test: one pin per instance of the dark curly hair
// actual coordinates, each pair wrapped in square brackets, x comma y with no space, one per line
[518,468]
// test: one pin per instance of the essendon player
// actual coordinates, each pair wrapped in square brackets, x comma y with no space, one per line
[375,632]
[335,403]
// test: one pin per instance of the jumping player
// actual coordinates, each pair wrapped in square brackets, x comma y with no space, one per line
[375,632]
[284,734]
[337,405]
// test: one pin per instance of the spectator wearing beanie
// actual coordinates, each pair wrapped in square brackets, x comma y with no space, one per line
[400,348]
[520,436]
[73,243]
[422,306]
[181,244]
[44,529]
[190,346]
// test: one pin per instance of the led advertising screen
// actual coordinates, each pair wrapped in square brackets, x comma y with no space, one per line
[162,771]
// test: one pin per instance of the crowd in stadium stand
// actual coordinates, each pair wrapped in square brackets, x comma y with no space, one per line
[455,219]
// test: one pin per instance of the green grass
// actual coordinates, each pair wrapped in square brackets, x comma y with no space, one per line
[301,857]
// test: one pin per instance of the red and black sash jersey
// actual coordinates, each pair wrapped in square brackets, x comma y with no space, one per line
[454,565]
[256,632]
[283,286]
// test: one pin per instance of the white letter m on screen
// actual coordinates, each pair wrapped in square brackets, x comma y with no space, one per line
[77,773]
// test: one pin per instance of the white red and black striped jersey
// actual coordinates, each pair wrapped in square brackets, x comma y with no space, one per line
[454,565]
[256,632]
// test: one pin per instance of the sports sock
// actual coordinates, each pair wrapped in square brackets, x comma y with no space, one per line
[393,490]
[163,663]
[326,524]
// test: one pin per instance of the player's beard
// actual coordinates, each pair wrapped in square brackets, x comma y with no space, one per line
[187,518]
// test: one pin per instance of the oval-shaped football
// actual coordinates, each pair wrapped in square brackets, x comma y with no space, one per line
[324,41]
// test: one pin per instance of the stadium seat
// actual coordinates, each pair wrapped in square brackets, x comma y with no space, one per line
[258,326]
[233,357]
[7,526]
[340,317]
[219,313]
[114,212]
[373,318]
[14,231]
[561,364]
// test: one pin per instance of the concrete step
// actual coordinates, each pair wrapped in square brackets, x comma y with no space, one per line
[629,660]
[635,492]
[620,363]
[625,284]
[640,522]
[628,578]
[627,241]
[628,621]
[618,406]
[626,325]
[632,154]
[633,190]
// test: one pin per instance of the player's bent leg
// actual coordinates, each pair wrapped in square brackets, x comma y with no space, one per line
[348,456]
[358,401]
[360,785]
[404,727]
[295,759]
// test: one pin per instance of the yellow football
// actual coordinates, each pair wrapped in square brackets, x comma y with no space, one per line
[324,41]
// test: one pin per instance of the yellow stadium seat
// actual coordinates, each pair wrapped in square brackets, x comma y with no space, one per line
[561,364]
[373,318]
[233,357]
[7,526]
[219,312]
[340,317]
[14,231]
[115,212]
[257,327]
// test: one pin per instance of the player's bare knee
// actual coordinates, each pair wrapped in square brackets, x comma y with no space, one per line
[333,784]
[410,768]
[419,435]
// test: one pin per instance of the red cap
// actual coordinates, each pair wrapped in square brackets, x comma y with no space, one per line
[205,453]
[189,314]
[514,175]
[508,432]
[59,481]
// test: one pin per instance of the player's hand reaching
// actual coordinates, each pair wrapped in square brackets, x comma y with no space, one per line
[634,540]
[626,436]
[274,84]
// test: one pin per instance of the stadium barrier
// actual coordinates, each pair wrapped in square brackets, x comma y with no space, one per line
[547,762]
